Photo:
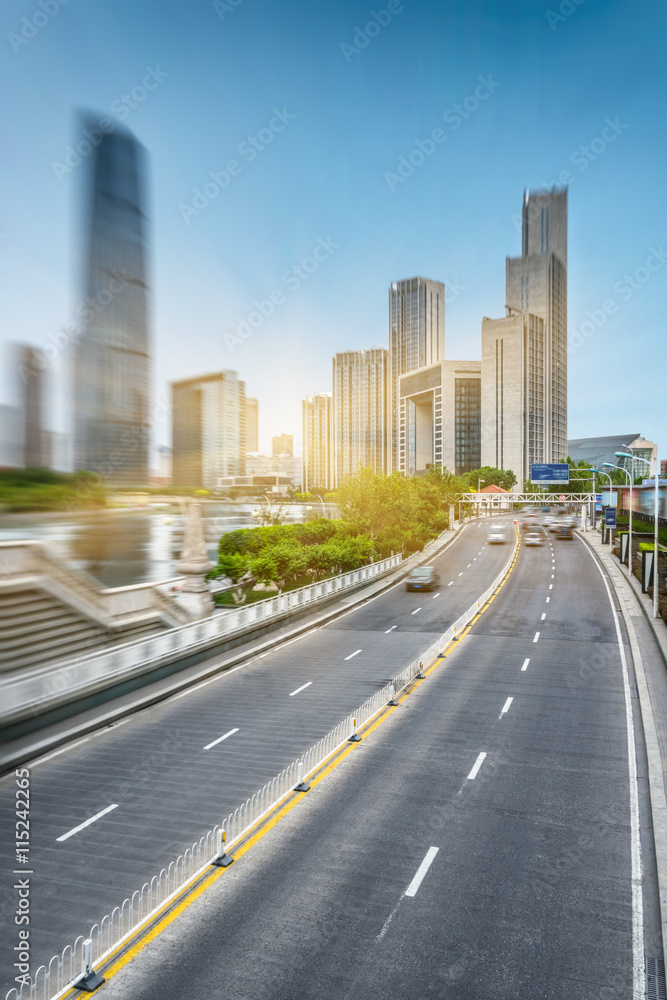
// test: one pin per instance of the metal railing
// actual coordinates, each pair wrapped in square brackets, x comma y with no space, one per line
[114,929]
[33,687]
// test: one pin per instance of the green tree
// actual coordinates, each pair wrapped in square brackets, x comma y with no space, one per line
[489,475]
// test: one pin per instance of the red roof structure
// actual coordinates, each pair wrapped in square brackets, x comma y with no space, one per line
[493,489]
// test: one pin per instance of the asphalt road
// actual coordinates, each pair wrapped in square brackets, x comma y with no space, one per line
[167,789]
[524,855]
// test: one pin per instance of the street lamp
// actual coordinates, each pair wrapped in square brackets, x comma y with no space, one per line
[479,488]
[600,473]
[636,458]
[611,465]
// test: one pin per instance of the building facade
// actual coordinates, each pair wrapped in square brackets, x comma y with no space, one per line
[317,413]
[416,341]
[360,411]
[36,441]
[283,444]
[208,429]
[252,424]
[113,357]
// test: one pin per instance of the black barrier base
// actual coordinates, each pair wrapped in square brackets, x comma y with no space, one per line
[354,739]
[302,787]
[224,861]
[90,982]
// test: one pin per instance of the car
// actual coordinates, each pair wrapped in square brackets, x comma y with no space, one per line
[422,578]
[497,536]
[534,538]
[564,531]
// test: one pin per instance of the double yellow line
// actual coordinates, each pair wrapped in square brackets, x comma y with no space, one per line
[171,910]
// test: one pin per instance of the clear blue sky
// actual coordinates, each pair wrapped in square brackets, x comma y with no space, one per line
[323,176]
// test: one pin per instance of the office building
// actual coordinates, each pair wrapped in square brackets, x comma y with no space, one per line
[461,416]
[317,442]
[113,354]
[36,451]
[360,411]
[524,354]
[596,451]
[252,424]
[10,450]
[274,468]
[208,429]
[416,341]
[283,444]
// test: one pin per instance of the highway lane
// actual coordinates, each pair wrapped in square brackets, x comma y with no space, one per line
[530,891]
[166,789]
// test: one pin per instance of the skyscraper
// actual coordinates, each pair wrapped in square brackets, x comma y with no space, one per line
[112,367]
[524,355]
[360,402]
[208,429]
[36,442]
[251,424]
[416,340]
[317,442]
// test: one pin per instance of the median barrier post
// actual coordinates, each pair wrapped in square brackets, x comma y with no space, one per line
[90,980]
[392,696]
[301,785]
[420,673]
[222,860]
[355,737]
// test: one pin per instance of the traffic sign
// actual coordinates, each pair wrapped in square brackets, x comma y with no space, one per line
[610,517]
[562,497]
[550,473]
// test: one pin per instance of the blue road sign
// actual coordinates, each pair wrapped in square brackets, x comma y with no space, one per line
[610,517]
[554,473]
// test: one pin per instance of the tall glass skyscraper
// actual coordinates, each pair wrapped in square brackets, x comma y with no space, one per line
[112,369]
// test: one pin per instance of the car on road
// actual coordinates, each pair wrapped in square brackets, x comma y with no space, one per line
[497,536]
[422,578]
[564,531]
[534,538]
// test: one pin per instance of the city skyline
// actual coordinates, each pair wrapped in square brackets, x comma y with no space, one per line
[447,217]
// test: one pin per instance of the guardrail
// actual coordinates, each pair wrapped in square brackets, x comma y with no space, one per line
[78,960]
[47,685]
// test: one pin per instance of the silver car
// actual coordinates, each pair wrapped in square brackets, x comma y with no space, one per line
[497,536]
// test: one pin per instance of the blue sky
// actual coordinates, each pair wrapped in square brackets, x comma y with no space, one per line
[347,118]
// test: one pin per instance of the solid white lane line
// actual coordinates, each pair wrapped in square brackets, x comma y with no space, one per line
[450,583]
[544,615]
[435,595]
[525,663]
[353,654]
[302,688]
[82,826]
[415,611]
[476,766]
[421,872]
[635,842]
[507,705]
[537,635]
[221,738]
[388,630]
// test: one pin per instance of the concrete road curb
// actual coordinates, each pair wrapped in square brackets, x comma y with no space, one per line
[626,595]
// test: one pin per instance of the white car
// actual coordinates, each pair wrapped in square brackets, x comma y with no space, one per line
[534,538]
[497,536]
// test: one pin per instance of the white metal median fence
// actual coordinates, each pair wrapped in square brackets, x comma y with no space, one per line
[78,959]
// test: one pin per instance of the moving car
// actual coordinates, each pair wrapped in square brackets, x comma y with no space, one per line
[564,531]
[422,578]
[497,536]
[534,538]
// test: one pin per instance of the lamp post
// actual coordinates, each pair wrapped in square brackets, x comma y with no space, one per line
[655,468]
[600,473]
[625,471]
[479,488]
